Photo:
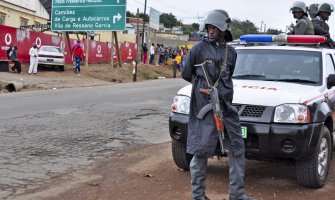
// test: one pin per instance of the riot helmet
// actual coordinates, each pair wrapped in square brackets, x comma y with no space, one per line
[299,6]
[219,19]
[313,10]
[325,7]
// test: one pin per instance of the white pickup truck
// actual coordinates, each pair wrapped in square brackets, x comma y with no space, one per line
[285,96]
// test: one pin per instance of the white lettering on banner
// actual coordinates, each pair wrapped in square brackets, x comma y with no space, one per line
[99,49]
[4,48]
[8,39]
[99,55]
[129,54]
[38,42]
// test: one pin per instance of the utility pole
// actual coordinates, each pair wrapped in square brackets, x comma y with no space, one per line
[145,9]
[138,46]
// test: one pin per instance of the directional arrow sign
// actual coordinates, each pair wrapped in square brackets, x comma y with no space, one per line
[88,15]
[116,17]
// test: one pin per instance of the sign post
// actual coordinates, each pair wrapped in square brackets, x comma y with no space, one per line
[88,15]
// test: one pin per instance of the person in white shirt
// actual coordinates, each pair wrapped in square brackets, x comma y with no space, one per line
[152,54]
[33,59]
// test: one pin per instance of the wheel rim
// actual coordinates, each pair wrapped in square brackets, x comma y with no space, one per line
[323,157]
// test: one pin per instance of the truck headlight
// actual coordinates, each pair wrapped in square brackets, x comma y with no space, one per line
[292,113]
[181,104]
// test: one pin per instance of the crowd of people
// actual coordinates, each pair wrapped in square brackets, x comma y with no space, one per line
[164,55]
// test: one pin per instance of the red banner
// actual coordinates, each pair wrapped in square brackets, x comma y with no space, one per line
[99,52]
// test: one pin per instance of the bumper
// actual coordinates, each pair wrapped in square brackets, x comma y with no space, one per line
[178,126]
[264,141]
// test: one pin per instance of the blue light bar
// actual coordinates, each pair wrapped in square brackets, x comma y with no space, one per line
[256,38]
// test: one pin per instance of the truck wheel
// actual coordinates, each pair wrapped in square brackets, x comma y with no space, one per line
[313,172]
[180,157]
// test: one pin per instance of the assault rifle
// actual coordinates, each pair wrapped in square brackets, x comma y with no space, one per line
[213,105]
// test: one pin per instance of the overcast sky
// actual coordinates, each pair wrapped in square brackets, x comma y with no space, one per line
[274,14]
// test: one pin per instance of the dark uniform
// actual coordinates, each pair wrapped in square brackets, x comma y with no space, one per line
[322,28]
[202,135]
[320,25]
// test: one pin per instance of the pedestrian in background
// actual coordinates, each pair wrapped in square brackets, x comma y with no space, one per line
[152,54]
[33,59]
[74,47]
[79,56]
[157,54]
[15,59]
[161,54]
[177,60]
[145,53]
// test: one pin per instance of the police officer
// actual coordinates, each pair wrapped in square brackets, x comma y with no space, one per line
[202,135]
[312,10]
[319,22]
[304,25]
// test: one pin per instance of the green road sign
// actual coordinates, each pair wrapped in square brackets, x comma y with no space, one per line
[88,15]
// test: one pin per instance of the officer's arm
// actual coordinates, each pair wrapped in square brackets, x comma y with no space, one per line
[234,57]
[188,69]
[318,29]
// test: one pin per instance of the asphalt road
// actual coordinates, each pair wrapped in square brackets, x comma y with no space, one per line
[47,134]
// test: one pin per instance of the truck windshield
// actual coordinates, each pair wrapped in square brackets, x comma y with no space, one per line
[302,67]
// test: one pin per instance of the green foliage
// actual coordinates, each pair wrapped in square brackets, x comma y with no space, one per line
[130,14]
[273,31]
[150,75]
[169,20]
[146,16]
[242,27]
[195,26]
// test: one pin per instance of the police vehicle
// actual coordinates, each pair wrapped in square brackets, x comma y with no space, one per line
[285,97]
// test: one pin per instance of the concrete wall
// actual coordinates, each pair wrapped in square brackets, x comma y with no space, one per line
[169,40]
[14,13]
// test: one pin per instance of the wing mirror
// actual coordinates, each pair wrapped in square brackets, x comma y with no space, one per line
[331,81]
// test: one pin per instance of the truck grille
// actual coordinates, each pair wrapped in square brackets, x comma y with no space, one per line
[250,111]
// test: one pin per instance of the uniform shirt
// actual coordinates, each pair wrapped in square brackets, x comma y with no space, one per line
[322,28]
[304,27]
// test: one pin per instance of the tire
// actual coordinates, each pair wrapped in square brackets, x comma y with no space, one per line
[312,172]
[180,157]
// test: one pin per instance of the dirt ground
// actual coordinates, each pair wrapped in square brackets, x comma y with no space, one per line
[150,173]
[93,75]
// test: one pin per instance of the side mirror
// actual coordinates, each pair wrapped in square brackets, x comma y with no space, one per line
[331,81]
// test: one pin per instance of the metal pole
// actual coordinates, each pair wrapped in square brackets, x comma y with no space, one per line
[87,44]
[138,46]
[145,9]
[112,50]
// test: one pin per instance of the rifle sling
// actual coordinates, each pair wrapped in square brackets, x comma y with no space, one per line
[223,65]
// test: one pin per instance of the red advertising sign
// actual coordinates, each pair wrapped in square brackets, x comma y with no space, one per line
[99,52]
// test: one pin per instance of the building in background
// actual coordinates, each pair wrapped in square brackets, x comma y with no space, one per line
[16,13]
